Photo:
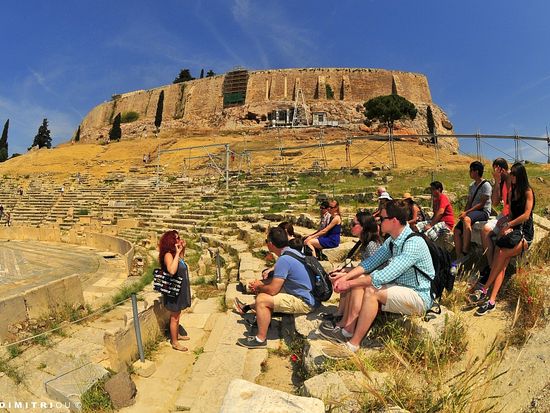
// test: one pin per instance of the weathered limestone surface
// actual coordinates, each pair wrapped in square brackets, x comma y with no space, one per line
[243,396]
[199,103]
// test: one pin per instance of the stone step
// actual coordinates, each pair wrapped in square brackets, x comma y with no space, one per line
[221,362]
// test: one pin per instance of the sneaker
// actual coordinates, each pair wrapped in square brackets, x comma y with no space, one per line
[251,342]
[485,308]
[328,325]
[478,296]
[335,335]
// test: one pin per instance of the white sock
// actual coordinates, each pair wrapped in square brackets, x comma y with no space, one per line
[351,347]
[258,340]
[346,333]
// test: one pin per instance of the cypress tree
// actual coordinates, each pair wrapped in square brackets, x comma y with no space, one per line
[43,138]
[160,107]
[115,133]
[430,120]
[4,142]
[77,135]
[202,73]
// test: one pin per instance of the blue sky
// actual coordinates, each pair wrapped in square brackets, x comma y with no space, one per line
[487,62]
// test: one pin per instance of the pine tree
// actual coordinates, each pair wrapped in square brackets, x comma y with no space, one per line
[388,109]
[43,138]
[184,76]
[210,73]
[4,142]
[115,133]
[202,73]
[160,106]
[77,135]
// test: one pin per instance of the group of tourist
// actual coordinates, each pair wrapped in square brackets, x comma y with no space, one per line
[387,277]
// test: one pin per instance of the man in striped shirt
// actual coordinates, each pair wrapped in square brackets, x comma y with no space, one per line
[397,288]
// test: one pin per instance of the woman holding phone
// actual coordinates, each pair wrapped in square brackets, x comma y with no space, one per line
[171,252]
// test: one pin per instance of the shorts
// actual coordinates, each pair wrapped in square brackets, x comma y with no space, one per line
[475,216]
[290,304]
[403,300]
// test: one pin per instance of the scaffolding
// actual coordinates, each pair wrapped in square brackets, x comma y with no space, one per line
[235,84]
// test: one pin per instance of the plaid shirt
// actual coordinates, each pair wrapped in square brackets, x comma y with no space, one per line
[400,269]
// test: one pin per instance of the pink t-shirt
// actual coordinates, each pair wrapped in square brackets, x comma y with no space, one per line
[448,216]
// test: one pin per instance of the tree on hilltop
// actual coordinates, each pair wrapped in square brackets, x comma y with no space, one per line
[210,73]
[184,76]
[202,74]
[115,133]
[388,109]
[4,142]
[160,107]
[430,120]
[77,135]
[43,138]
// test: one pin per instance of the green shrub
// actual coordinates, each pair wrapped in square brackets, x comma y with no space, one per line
[128,117]
[96,399]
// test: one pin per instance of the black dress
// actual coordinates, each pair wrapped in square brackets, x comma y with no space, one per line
[517,208]
[183,300]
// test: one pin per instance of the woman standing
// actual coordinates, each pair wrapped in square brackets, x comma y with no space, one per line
[329,236]
[515,237]
[171,252]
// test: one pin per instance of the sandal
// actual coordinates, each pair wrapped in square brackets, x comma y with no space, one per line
[183,338]
[179,347]
[240,307]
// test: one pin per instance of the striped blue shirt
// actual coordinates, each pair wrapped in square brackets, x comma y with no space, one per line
[400,269]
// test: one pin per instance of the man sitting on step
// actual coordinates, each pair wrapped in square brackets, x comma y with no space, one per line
[396,288]
[288,291]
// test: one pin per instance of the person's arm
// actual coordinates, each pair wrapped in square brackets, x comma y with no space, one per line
[496,196]
[437,217]
[526,214]
[344,285]
[271,286]
[171,262]
[335,221]
[479,206]
[412,221]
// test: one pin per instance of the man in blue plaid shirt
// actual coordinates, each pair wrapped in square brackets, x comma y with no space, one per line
[397,287]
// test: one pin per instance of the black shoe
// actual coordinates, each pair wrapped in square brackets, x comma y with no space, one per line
[335,335]
[251,342]
[331,317]
[485,308]
[327,325]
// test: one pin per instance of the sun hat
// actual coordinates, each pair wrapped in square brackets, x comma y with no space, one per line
[385,195]
[407,195]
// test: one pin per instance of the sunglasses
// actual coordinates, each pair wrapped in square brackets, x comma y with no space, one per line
[382,219]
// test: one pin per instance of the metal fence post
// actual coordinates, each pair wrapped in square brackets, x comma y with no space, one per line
[137,328]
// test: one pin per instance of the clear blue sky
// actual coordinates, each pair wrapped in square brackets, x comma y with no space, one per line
[487,62]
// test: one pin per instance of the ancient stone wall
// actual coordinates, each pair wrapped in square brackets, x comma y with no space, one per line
[199,103]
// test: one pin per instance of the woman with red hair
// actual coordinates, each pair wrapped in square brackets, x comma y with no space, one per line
[171,252]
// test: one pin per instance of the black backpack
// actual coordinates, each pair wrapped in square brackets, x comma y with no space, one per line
[320,281]
[441,259]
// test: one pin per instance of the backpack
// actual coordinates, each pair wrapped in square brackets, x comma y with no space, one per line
[320,281]
[441,259]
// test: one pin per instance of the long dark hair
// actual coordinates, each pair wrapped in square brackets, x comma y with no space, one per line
[522,182]
[369,228]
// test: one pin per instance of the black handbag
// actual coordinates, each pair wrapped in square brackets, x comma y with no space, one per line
[510,240]
[169,285]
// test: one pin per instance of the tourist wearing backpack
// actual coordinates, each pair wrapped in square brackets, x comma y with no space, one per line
[288,291]
[398,287]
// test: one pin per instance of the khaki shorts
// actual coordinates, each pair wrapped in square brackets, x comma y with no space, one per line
[289,304]
[403,300]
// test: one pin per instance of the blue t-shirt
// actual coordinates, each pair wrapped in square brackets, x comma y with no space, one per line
[297,281]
